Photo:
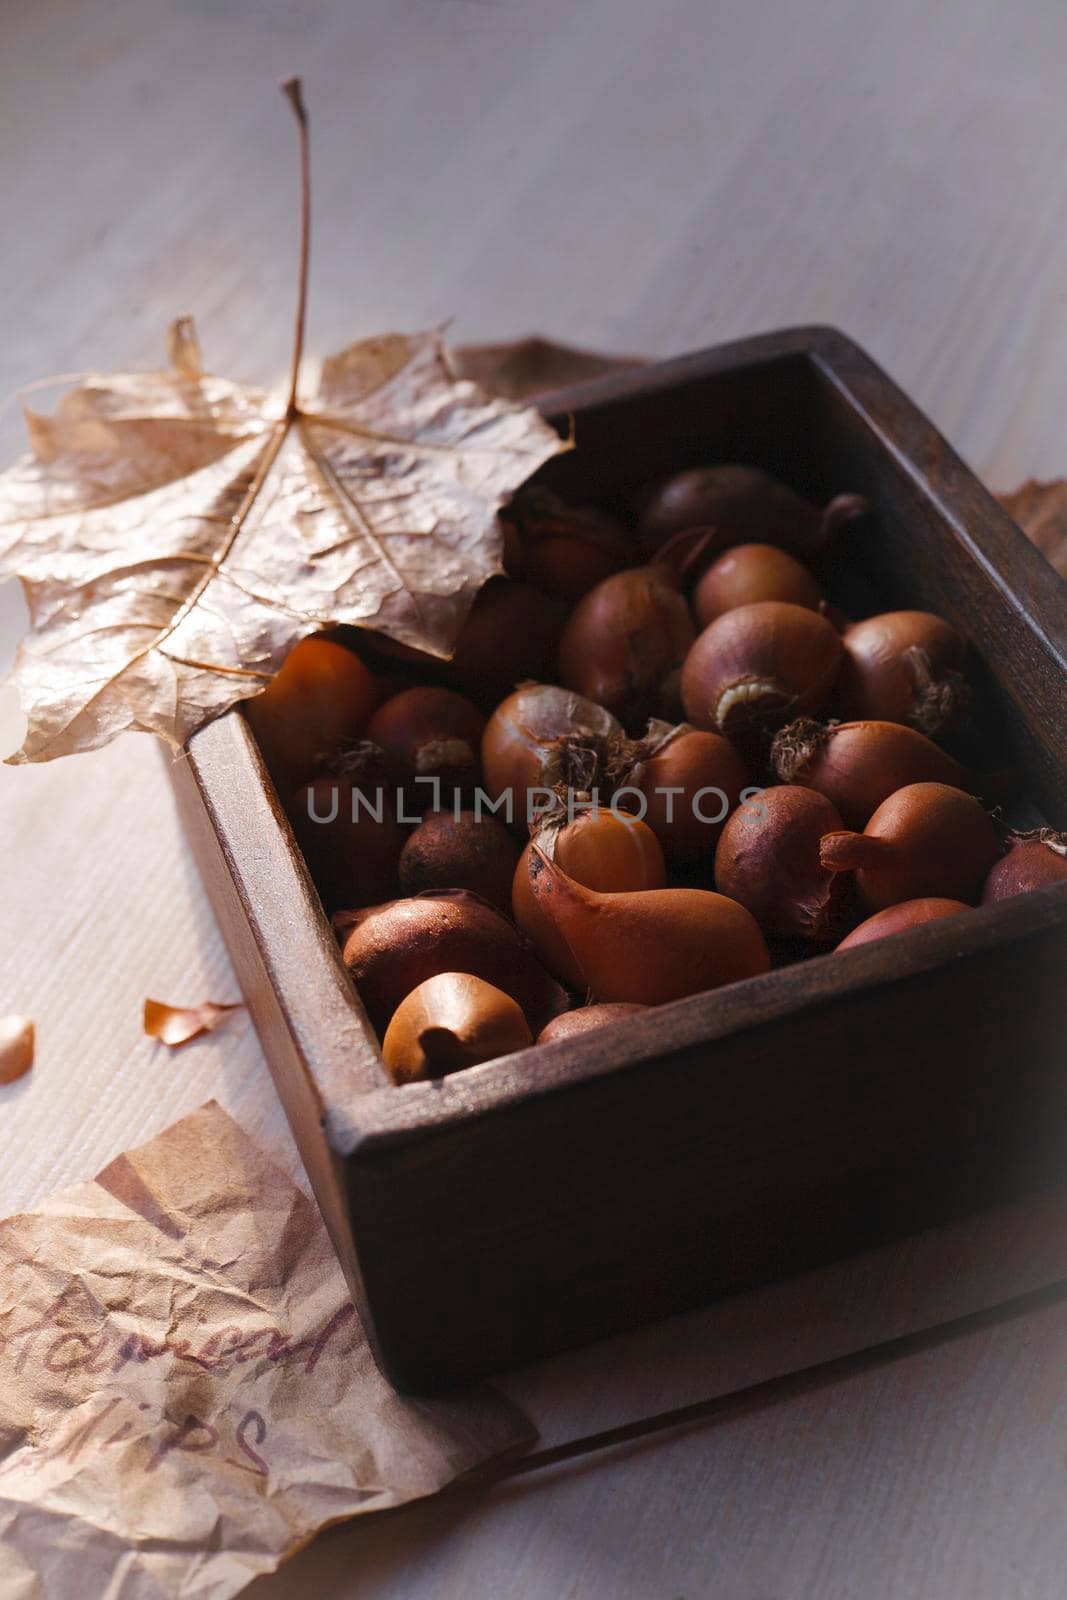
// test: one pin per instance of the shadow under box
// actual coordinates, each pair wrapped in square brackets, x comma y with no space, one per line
[579,1188]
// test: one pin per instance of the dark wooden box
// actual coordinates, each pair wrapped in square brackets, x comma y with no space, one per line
[581,1188]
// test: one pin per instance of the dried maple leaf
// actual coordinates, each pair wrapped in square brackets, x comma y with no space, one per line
[176,533]
[1040,509]
[16,1047]
[176,1025]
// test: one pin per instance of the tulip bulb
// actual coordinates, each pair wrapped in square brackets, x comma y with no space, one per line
[768,860]
[317,704]
[347,829]
[904,666]
[429,733]
[690,781]
[625,642]
[586,1019]
[1034,860]
[756,666]
[566,550]
[460,851]
[527,735]
[509,637]
[751,572]
[451,1021]
[601,850]
[901,918]
[742,504]
[390,949]
[857,765]
[647,947]
[927,840]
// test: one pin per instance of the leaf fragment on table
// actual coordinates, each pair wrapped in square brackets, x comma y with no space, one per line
[176,533]
[1040,509]
[174,1025]
[16,1047]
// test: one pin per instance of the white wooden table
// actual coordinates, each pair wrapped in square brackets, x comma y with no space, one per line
[623,175]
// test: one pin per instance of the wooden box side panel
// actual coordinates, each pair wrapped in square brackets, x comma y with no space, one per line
[263,867]
[570,1216]
[311,1058]
[939,540]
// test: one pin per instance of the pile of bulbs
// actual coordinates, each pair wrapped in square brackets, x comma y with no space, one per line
[632,783]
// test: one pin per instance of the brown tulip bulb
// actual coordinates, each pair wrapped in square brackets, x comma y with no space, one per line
[1034,860]
[432,737]
[648,946]
[751,572]
[612,854]
[465,851]
[510,636]
[742,505]
[768,860]
[903,666]
[525,738]
[625,643]
[926,841]
[857,765]
[390,949]
[449,1022]
[586,1019]
[565,550]
[901,918]
[690,781]
[320,701]
[347,829]
[756,666]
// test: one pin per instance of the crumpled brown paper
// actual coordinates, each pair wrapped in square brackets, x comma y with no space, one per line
[186,1392]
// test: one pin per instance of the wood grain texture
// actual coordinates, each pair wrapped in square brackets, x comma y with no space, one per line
[618,175]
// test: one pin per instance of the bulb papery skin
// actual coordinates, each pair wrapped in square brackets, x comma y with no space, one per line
[759,665]
[1031,863]
[858,765]
[901,918]
[927,841]
[768,860]
[648,947]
